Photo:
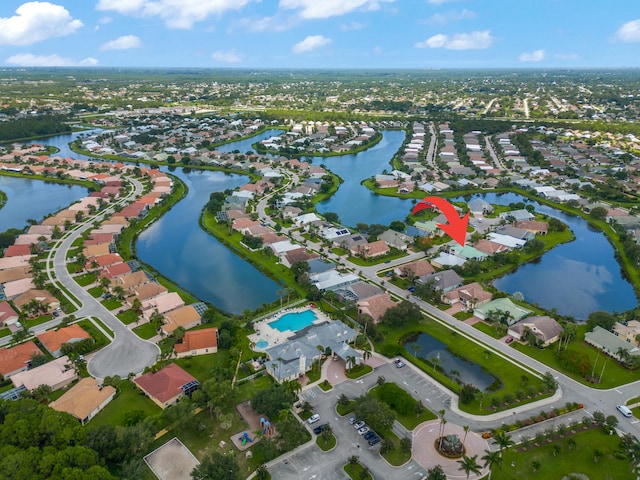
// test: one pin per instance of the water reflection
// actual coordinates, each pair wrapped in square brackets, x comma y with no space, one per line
[454,367]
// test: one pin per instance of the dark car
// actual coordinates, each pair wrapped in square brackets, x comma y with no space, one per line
[374,440]
[509,339]
[318,430]
[370,434]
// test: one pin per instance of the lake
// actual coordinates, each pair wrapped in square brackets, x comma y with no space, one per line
[34,199]
[454,367]
[177,247]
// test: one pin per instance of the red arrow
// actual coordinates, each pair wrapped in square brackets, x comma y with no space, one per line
[457,227]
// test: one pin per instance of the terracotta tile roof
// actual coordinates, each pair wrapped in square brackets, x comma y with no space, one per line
[104,260]
[115,270]
[83,398]
[418,268]
[52,340]
[17,250]
[15,358]
[197,339]
[164,384]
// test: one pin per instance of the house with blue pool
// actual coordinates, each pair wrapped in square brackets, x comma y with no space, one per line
[293,358]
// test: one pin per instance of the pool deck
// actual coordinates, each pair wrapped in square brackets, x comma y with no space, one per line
[274,336]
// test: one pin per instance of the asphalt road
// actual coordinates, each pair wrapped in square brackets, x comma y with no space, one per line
[127,353]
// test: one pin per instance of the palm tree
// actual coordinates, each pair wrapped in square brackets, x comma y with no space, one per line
[597,455]
[503,440]
[119,292]
[366,354]
[469,465]
[351,361]
[416,347]
[492,458]
[535,466]
[466,429]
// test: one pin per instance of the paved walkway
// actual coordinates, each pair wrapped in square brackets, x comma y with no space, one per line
[425,453]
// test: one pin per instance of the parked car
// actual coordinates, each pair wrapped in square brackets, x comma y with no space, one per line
[374,440]
[624,410]
[399,363]
[318,430]
[313,418]
[412,289]
[370,434]
[358,425]
[55,313]
[352,420]
[509,339]
[363,430]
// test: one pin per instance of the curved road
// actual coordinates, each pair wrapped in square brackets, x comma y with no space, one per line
[127,353]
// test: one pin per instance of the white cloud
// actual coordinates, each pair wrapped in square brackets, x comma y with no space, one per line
[36,21]
[629,32]
[460,41]
[276,23]
[329,8]
[175,13]
[105,20]
[351,26]
[31,60]
[535,56]
[122,43]
[229,56]
[448,17]
[310,43]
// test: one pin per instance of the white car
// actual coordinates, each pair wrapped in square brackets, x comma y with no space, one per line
[313,418]
[363,430]
[358,425]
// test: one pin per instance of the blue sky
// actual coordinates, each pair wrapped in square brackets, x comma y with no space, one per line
[321,33]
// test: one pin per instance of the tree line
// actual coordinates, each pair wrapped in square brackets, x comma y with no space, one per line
[33,127]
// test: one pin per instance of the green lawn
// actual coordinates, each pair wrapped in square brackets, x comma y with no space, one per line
[4,332]
[314,374]
[325,386]
[488,329]
[358,371]
[128,316]
[460,315]
[85,279]
[614,375]
[578,460]
[633,400]
[128,398]
[104,327]
[202,365]
[368,262]
[111,303]
[355,472]
[96,334]
[401,401]
[395,456]
[508,373]
[145,331]
[328,445]
[74,268]
[38,320]
[636,412]
[95,292]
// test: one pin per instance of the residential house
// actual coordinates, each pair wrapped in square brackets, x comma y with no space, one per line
[444,280]
[131,280]
[471,296]
[8,315]
[186,317]
[517,215]
[298,255]
[161,304]
[146,291]
[395,239]
[48,301]
[357,291]
[537,228]
[516,232]
[16,288]
[55,374]
[504,306]
[468,252]
[544,328]
[371,249]
[629,332]
[610,343]
[85,399]
[376,306]
[479,206]
[197,342]
[17,359]
[489,247]
[414,269]
[332,280]
[168,385]
[53,340]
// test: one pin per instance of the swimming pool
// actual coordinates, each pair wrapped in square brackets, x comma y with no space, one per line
[262,343]
[294,321]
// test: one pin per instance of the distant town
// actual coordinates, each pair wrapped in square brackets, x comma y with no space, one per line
[223,279]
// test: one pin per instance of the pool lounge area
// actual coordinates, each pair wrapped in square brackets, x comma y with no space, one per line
[283,325]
